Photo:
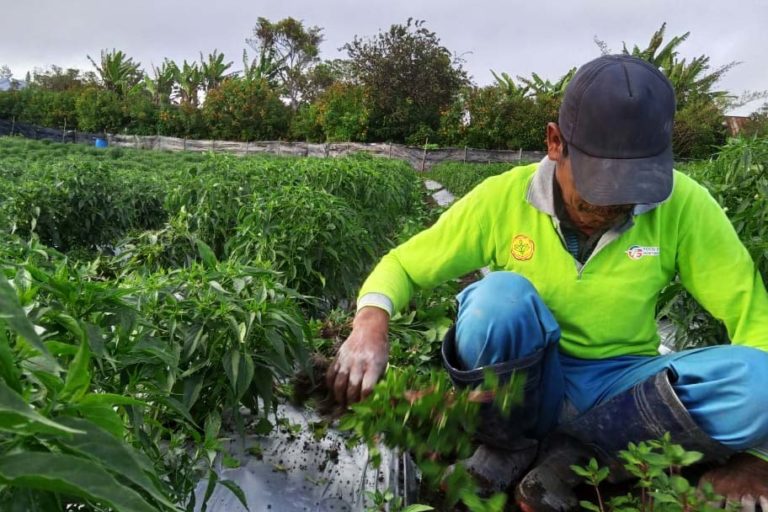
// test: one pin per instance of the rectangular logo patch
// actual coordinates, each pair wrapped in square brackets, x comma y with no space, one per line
[636,252]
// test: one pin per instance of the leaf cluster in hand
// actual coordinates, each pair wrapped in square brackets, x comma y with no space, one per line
[424,414]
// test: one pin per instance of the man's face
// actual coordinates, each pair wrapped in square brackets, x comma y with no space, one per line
[586,216]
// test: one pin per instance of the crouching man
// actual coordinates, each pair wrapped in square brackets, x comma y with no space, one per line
[580,246]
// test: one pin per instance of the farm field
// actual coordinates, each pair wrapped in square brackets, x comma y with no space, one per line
[153,302]
[149,296]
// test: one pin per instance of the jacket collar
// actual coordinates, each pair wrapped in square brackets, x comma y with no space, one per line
[541,194]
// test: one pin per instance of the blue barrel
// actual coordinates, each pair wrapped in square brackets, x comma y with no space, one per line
[101,143]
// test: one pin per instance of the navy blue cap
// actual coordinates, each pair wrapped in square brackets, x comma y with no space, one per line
[617,116]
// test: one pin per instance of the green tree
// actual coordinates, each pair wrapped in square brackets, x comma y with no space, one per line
[242,109]
[292,49]
[344,113]
[118,72]
[140,113]
[99,110]
[495,119]
[56,78]
[326,74]
[409,77]
[758,122]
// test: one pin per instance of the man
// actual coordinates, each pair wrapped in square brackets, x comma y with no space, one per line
[581,244]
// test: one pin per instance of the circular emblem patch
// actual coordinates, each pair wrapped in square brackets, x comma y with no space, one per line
[522,248]
[635,252]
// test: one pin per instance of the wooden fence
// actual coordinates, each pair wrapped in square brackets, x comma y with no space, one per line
[419,158]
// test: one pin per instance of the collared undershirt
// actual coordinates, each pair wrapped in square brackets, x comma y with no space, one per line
[576,242]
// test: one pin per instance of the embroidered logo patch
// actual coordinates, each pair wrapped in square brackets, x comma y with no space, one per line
[522,248]
[636,252]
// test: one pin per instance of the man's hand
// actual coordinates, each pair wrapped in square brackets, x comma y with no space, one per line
[362,358]
[744,479]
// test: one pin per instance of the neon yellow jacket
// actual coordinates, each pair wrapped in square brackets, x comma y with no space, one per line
[606,307]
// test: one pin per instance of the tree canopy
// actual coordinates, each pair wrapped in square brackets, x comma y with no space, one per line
[290,49]
[409,76]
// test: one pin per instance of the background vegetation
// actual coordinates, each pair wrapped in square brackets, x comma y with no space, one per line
[400,85]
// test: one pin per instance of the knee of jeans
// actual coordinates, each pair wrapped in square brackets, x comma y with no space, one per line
[496,288]
[500,319]
[505,283]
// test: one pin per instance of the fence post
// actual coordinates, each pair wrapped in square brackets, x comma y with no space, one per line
[520,155]
[64,132]
[424,155]
[13,124]
[465,154]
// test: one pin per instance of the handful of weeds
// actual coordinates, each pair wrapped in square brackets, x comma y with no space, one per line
[425,415]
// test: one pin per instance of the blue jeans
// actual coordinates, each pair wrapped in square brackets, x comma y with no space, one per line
[725,388]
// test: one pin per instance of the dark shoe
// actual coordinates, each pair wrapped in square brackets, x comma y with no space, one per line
[548,487]
[496,469]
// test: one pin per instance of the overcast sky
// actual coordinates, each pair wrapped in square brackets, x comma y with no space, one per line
[517,37]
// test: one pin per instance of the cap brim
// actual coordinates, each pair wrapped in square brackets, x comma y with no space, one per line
[607,181]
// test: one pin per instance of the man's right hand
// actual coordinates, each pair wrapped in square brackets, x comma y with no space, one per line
[362,358]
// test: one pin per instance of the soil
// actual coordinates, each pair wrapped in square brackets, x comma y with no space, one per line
[311,386]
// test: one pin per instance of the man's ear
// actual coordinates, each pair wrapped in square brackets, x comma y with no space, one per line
[555,142]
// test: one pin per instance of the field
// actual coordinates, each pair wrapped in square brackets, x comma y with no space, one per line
[148,298]
[147,295]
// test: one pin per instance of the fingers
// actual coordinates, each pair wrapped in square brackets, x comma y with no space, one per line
[350,385]
[330,375]
[369,380]
[747,503]
[340,386]
[764,503]
[354,383]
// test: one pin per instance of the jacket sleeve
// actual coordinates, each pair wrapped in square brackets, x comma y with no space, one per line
[459,242]
[716,268]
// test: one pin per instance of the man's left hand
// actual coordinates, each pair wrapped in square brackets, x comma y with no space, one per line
[744,479]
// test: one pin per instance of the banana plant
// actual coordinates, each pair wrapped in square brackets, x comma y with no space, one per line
[507,84]
[162,85]
[689,79]
[540,88]
[189,79]
[214,70]
[267,67]
[117,71]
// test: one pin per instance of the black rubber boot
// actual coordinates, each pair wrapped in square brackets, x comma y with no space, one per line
[548,487]
[496,469]
[507,447]
[645,412]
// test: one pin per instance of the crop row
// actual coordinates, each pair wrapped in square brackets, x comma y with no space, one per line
[146,296]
